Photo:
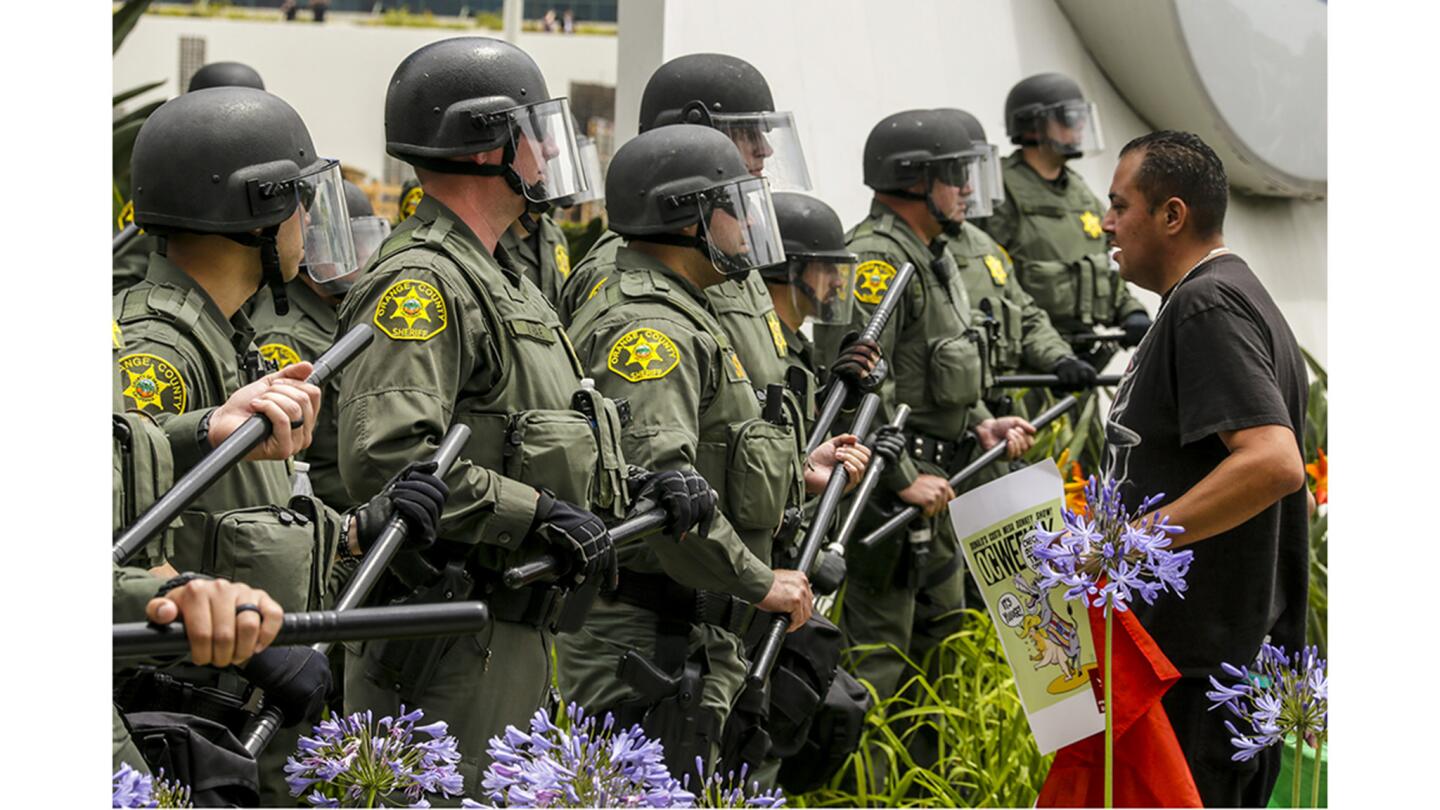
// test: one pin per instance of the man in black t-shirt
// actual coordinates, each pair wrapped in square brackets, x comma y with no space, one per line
[1210,412]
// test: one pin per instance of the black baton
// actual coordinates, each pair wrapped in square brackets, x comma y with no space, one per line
[866,489]
[1051,381]
[548,567]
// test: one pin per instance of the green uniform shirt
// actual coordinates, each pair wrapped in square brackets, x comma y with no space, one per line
[543,256]
[743,308]
[182,357]
[1052,231]
[304,333]
[1025,338]
[934,351]
[652,338]
[461,337]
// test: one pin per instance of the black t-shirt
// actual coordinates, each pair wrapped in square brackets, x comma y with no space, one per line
[1219,357]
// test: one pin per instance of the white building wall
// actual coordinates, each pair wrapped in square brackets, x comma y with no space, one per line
[842,65]
[335,74]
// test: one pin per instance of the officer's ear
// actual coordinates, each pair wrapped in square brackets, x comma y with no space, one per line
[491,158]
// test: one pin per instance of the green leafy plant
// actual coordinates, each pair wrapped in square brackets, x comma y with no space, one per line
[127,126]
[969,709]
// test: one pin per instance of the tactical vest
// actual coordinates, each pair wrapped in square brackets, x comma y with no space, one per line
[144,470]
[753,465]
[986,277]
[543,257]
[1059,248]
[529,416]
[938,362]
[241,528]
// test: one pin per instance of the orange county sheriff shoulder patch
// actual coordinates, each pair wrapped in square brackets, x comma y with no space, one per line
[279,354]
[411,310]
[596,288]
[776,335]
[410,201]
[562,261]
[871,280]
[151,382]
[1091,224]
[996,268]
[644,354]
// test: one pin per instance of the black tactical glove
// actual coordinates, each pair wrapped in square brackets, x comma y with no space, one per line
[416,495]
[1074,372]
[859,362]
[295,679]
[828,573]
[887,442]
[1136,324]
[579,539]
[686,497]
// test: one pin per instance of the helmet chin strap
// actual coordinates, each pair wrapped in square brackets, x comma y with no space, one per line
[727,265]
[529,218]
[270,272]
[948,226]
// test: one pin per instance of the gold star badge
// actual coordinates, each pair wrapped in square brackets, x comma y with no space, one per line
[997,269]
[280,354]
[405,311]
[562,261]
[151,382]
[1091,224]
[871,280]
[777,336]
[643,354]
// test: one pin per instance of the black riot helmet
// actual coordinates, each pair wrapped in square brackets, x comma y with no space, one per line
[357,202]
[234,160]
[728,94]
[987,183]
[225,74]
[1049,109]
[669,178]
[466,95]
[818,265]
[921,146]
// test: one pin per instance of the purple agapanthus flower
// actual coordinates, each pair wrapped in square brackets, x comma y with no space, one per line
[357,761]
[1128,551]
[587,764]
[131,788]
[1282,695]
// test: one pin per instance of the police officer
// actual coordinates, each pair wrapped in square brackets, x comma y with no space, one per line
[1019,331]
[920,164]
[129,265]
[229,178]
[692,215]
[1050,219]
[463,336]
[730,95]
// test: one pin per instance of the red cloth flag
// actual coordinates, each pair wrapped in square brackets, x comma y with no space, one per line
[1150,769]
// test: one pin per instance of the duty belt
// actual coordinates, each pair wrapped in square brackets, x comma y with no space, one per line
[204,692]
[665,597]
[943,453]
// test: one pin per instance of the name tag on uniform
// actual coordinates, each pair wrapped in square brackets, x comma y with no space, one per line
[535,330]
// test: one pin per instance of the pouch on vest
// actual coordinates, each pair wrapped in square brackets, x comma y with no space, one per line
[761,473]
[957,370]
[1055,286]
[552,449]
[200,753]
[609,490]
[144,470]
[1099,288]
[268,547]
[1009,349]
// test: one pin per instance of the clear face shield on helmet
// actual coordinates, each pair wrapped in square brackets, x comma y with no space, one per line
[966,174]
[992,181]
[329,248]
[738,221]
[594,178]
[547,153]
[770,145]
[820,288]
[1071,127]
[368,234]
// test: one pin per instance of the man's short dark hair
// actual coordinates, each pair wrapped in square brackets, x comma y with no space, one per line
[1179,164]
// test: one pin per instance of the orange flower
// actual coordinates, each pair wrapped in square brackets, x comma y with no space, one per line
[1075,487]
[1320,471]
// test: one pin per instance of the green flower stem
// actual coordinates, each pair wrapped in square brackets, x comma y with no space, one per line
[1110,713]
[1315,777]
[1299,764]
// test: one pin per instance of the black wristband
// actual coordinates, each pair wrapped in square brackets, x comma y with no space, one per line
[179,581]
